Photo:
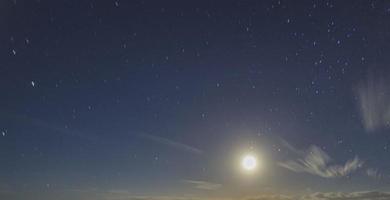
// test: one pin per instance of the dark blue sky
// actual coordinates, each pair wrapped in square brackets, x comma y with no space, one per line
[141,99]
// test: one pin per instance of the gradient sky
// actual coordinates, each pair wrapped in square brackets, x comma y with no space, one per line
[159,99]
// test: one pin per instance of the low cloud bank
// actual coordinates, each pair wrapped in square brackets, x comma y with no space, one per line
[362,195]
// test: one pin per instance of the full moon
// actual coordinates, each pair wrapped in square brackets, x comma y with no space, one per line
[249,162]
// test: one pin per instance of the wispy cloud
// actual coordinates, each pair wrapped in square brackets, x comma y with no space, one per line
[361,195]
[365,195]
[290,147]
[374,103]
[374,173]
[172,143]
[127,195]
[204,185]
[315,161]
[271,197]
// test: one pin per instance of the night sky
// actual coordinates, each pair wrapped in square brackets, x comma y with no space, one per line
[138,100]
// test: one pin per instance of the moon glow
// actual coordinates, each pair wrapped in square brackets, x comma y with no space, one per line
[249,163]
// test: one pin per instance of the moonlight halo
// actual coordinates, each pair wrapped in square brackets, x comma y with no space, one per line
[249,162]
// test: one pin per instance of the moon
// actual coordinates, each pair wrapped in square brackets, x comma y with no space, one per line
[249,162]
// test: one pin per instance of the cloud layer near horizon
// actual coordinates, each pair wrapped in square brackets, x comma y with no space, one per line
[360,195]
[127,195]
[364,195]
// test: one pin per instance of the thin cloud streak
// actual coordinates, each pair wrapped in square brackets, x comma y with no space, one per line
[204,185]
[172,143]
[291,148]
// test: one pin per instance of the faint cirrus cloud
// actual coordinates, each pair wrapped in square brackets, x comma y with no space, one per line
[374,173]
[171,143]
[315,161]
[360,195]
[203,185]
[374,102]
